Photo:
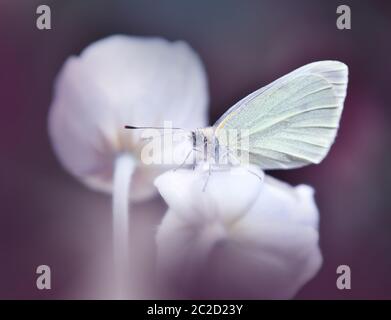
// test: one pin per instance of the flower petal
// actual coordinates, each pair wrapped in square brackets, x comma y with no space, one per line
[269,251]
[208,196]
[121,81]
[281,202]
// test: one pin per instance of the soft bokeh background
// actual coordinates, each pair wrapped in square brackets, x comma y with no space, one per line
[47,217]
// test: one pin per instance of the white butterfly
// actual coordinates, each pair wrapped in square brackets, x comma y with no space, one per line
[288,124]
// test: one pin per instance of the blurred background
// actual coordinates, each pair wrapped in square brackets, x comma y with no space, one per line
[47,217]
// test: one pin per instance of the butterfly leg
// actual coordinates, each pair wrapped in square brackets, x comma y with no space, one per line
[207,178]
[230,156]
[218,168]
[187,157]
[194,158]
[238,163]
[255,174]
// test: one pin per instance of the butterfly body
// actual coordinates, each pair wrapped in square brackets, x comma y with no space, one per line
[206,145]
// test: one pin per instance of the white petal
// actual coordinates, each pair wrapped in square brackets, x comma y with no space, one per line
[269,251]
[277,249]
[272,263]
[117,81]
[207,197]
[280,201]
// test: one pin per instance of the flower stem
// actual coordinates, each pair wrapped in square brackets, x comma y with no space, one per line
[123,169]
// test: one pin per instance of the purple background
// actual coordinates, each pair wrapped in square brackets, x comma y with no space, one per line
[47,217]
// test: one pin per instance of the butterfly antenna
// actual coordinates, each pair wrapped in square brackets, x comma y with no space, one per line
[136,128]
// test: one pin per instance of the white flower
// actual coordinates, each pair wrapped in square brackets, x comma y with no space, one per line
[118,81]
[115,82]
[240,238]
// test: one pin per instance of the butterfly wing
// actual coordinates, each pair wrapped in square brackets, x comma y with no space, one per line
[291,122]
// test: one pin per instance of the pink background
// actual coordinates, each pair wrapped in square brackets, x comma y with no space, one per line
[47,217]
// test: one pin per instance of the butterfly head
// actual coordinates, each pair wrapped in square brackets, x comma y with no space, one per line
[204,143]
